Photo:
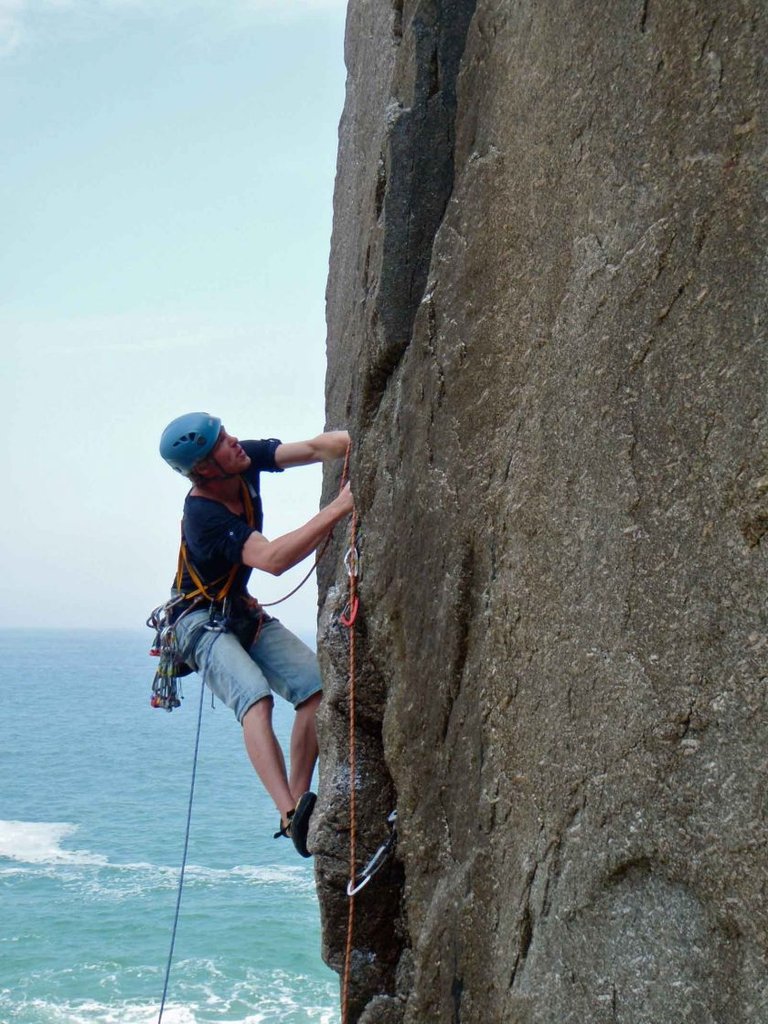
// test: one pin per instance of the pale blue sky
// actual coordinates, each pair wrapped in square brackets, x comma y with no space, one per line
[166,178]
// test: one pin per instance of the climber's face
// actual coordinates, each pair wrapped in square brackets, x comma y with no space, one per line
[227,456]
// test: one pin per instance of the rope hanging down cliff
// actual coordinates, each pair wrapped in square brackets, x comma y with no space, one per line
[348,618]
[357,880]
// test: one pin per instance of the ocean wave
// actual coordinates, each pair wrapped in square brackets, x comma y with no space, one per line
[103,878]
[91,1012]
[35,850]
[88,1011]
[277,998]
[123,881]
[39,842]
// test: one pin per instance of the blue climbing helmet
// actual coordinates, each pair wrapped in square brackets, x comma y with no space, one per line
[188,439]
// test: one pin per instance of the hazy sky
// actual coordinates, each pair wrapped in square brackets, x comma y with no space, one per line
[166,177]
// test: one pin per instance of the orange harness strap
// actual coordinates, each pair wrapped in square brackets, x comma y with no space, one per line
[226,581]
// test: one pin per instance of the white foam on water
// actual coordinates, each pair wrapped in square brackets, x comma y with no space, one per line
[91,1011]
[98,881]
[294,878]
[203,991]
[34,846]
[39,842]
[272,997]
[123,881]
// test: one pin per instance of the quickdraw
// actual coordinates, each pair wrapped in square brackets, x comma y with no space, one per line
[352,562]
[377,861]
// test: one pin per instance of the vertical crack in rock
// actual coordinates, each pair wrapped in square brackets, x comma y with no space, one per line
[417,181]
[411,184]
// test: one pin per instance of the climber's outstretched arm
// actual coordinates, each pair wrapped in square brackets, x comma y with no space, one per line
[331,445]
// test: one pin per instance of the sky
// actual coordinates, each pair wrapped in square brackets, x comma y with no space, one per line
[166,184]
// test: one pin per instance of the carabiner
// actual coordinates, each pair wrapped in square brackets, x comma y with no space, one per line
[352,562]
[348,616]
[377,861]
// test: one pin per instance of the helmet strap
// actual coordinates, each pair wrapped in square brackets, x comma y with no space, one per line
[223,475]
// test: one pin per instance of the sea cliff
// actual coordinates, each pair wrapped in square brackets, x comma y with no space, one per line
[546,316]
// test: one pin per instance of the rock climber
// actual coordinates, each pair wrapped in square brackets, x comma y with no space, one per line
[243,654]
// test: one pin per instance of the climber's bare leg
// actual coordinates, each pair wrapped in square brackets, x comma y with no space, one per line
[266,755]
[304,746]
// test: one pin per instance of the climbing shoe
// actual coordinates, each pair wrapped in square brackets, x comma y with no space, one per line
[297,826]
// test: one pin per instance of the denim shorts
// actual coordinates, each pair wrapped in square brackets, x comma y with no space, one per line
[277,662]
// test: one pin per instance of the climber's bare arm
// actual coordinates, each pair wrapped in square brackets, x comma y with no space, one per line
[275,556]
[331,445]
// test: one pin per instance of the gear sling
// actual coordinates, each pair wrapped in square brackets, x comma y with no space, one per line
[166,691]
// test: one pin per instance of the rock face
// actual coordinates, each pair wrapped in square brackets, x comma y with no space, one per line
[546,320]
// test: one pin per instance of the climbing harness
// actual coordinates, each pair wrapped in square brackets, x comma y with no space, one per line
[166,688]
[224,582]
[377,861]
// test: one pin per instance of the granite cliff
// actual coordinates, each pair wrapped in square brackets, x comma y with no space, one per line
[546,335]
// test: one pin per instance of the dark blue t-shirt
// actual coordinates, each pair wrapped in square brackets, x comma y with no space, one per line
[214,535]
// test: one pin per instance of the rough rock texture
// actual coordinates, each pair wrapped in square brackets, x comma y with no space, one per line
[546,334]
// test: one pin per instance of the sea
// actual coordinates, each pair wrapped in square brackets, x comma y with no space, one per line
[94,797]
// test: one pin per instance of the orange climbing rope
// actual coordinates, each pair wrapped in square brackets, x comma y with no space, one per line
[348,619]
